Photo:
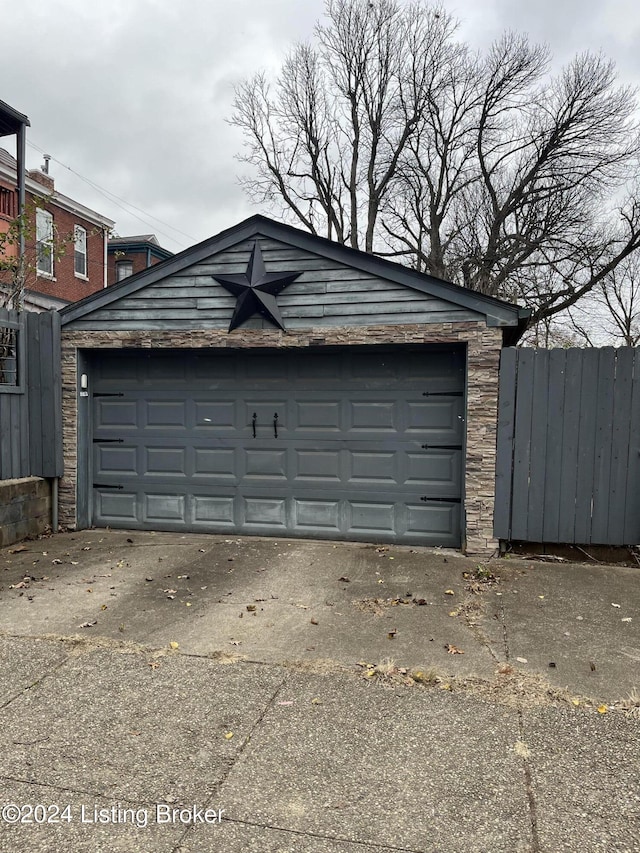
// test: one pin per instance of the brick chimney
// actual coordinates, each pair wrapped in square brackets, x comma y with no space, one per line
[41,176]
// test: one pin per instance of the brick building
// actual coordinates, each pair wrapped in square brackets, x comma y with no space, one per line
[130,255]
[65,242]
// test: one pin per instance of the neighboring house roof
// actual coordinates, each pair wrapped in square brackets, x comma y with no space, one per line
[11,120]
[139,243]
[7,160]
[512,318]
[138,238]
[8,167]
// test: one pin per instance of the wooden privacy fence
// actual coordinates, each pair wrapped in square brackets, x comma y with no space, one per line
[30,395]
[568,466]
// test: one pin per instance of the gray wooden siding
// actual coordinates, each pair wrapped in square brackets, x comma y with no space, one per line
[31,414]
[568,460]
[326,294]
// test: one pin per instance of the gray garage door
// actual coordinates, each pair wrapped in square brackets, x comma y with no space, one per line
[363,445]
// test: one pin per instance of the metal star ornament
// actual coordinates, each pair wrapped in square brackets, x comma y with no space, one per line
[256,290]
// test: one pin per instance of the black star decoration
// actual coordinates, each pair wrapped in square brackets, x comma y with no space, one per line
[256,290]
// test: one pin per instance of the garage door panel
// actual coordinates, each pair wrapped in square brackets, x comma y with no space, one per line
[165,369]
[371,517]
[316,516]
[269,464]
[436,472]
[317,416]
[116,506]
[373,416]
[165,460]
[317,465]
[115,459]
[166,413]
[214,369]
[265,511]
[373,467]
[159,508]
[439,418]
[264,411]
[215,415]
[217,462]
[115,414]
[214,510]
[355,447]
[440,519]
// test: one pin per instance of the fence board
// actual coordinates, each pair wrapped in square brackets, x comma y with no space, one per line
[569,418]
[622,398]
[522,446]
[632,498]
[554,448]
[31,413]
[575,447]
[603,440]
[538,447]
[504,456]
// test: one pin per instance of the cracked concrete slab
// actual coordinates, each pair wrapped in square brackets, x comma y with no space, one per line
[270,600]
[238,837]
[113,725]
[73,825]
[584,778]
[24,664]
[418,770]
[578,625]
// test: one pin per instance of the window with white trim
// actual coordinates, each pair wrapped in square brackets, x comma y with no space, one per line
[124,269]
[80,251]
[44,242]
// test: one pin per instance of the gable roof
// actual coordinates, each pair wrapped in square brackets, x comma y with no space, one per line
[498,313]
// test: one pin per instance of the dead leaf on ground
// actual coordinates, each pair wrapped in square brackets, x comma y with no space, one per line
[251,608]
[18,550]
[453,650]
[88,624]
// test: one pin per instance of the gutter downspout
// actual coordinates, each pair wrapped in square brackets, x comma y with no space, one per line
[54,505]
[105,240]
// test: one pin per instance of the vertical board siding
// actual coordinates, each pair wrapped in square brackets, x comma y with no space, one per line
[569,429]
[31,415]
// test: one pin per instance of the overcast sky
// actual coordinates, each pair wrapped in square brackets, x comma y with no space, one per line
[133,94]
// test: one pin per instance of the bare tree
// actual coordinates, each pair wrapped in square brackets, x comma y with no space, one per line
[610,314]
[391,136]
[327,142]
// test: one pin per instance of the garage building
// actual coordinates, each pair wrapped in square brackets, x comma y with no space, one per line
[272,382]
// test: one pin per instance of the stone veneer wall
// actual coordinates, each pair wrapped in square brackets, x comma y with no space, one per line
[25,508]
[483,357]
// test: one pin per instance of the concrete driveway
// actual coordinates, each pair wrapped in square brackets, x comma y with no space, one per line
[169,693]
